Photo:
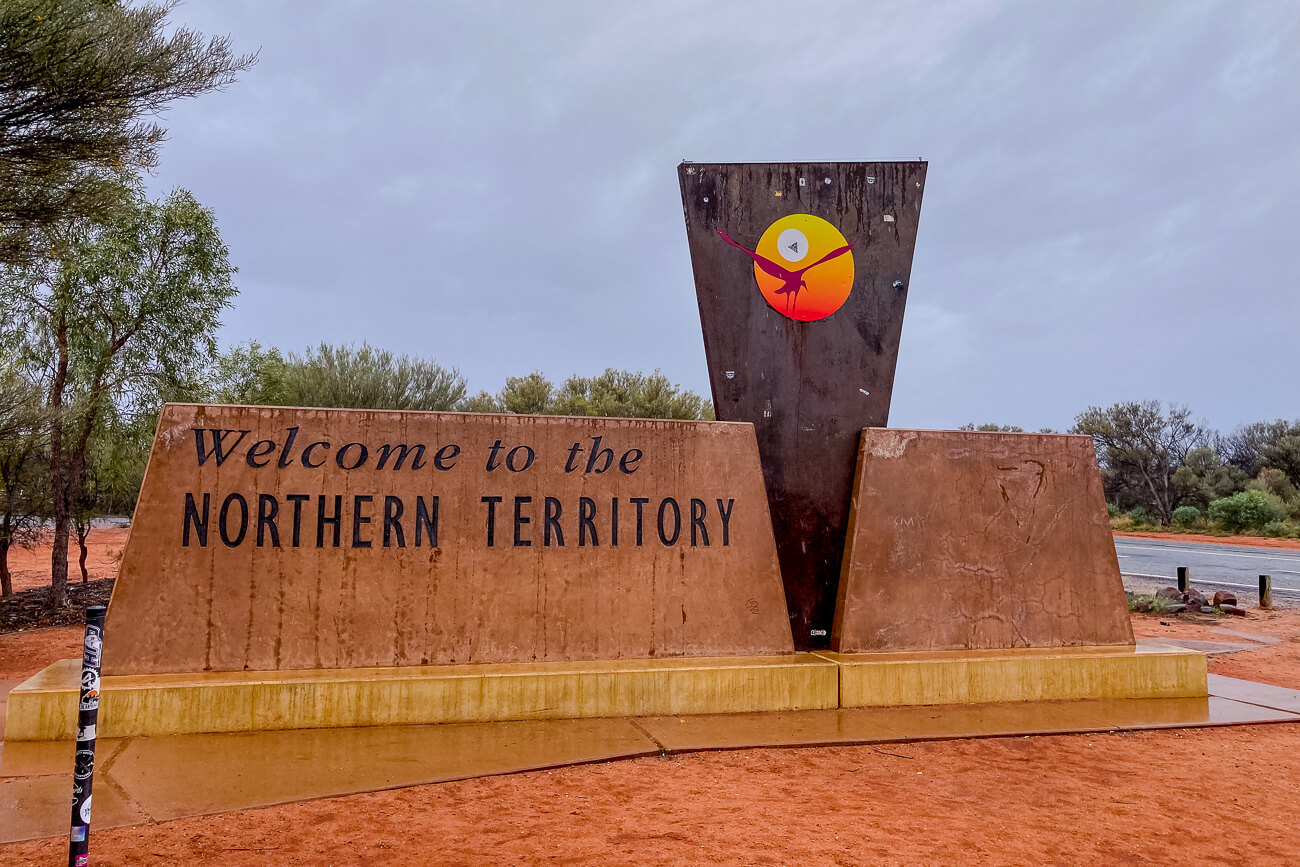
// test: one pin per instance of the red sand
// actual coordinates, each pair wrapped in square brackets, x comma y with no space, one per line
[31,566]
[1256,541]
[1210,796]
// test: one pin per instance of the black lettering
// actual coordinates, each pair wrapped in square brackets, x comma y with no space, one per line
[677,522]
[586,520]
[322,520]
[492,462]
[338,458]
[697,520]
[520,520]
[218,444]
[257,450]
[491,517]
[571,464]
[553,511]
[596,454]
[243,520]
[268,507]
[426,520]
[639,502]
[357,517]
[285,460]
[402,450]
[510,459]
[200,526]
[627,463]
[297,500]
[439,460]
[393,509]
[306,456]
[613,522]
[726,520]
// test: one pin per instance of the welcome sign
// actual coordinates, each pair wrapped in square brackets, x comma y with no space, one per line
[276,539]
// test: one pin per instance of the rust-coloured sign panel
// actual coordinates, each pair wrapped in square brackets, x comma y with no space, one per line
[802,272]
[276,539]
[978,541]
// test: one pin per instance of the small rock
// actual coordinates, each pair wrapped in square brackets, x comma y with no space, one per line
[1195,599]
[1170,593]
[1224,597]
[1206,609]
[1232,609]
[1179,608]
[1142,606]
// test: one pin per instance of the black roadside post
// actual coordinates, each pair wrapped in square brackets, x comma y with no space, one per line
[1265,591]
[1183,582]
[87,716]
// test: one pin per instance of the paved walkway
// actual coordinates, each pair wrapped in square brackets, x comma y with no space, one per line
[145,780]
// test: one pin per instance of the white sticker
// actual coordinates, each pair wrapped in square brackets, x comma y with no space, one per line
[86,733]
[889,218]
[792,245]
[871,179]
[731,374]
[85,810]
[802,182]
[864,391]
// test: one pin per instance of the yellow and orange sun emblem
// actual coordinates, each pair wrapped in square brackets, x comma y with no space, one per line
[803,266]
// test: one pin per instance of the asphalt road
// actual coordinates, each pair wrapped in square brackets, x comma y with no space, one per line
[1235,567]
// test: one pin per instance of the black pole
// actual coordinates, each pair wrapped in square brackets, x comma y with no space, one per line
[1265,591]
[87,716]
[1183,580]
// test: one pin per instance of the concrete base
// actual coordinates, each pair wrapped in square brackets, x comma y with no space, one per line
[1148,670]
[44,707]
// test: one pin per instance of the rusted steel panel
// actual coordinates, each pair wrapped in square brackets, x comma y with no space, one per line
[805,351]
[349,538]
[966,540]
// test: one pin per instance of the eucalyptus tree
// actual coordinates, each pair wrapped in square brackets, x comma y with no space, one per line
[81,85]
[107,314]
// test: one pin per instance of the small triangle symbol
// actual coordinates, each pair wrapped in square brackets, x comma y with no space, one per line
[794,248]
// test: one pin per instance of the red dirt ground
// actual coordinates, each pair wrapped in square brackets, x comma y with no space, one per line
[1209,796]
[31,566]
[1256,541]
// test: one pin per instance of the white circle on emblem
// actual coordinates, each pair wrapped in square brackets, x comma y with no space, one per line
[792,244]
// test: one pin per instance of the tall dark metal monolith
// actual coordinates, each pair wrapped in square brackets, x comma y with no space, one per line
[788,350]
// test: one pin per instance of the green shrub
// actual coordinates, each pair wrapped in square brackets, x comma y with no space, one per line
[1247,510]
[1276,529]
[1112,510]
[1185,516]
[1139,515]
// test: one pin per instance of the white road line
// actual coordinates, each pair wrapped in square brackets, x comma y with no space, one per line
[1148,550]
[1211,582]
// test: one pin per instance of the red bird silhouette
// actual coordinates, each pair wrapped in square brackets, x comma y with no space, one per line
[793,280]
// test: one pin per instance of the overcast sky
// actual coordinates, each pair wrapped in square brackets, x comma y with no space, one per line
[1109,213]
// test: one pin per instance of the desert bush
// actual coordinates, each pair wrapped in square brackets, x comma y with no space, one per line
[1185,516]
[1112,510]
[1247,510]
[1139,515]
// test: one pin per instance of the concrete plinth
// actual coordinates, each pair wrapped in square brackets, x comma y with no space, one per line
[45,706]
[1022,674]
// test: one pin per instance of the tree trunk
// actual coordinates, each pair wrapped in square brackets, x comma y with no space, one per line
[81,558]
[58,474]
[6,579]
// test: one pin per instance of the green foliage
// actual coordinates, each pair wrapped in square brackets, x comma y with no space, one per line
[363,377]
[245,374]
[1147,602]
[481,402]
[1267,445]
[1139,515]
[111,313]
[527,395]
[1112,510]
[1186,516]
[990,427]
[1140,445]
[81,84]
[1247,510]
[624,394]
[23,484]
